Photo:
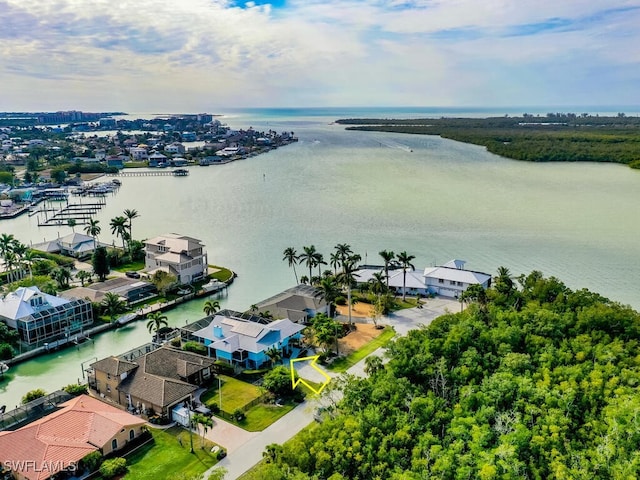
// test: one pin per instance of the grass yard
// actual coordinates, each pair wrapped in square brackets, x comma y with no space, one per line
[166,458]
[235,394]
[129,267]
[222,274]
[262,415]
[342,364]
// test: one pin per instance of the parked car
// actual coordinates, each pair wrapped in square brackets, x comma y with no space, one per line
[132,274]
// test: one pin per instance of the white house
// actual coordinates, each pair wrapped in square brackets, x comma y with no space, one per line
[39,317]
[138,153]
[74,244]
[178,255]
[451,279]
[175,148]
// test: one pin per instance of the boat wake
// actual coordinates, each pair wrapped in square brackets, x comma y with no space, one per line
[392,144]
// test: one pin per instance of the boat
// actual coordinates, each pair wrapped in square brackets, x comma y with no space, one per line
[124,319]
[181,172]
[3,368]
[115,181]
[213,286]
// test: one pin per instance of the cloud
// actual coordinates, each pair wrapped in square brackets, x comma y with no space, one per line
[317,52]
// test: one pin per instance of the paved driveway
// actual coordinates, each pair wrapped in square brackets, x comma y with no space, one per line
[245,448]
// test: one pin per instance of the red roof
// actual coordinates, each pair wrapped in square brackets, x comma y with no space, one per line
[84,424]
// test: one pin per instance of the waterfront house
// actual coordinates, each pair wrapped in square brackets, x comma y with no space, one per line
[157,159]
[175,148]
[179,255]
[130,290]
[298,304]
[451,279]
[39,317]
[448,280]
[138,154]
[242,342]
[56,443]
[152,382]
[75,245]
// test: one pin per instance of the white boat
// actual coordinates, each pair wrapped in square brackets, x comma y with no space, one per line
[213,286]
[3,367]
[127,318]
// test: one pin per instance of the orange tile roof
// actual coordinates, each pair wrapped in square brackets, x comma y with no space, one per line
[84,424]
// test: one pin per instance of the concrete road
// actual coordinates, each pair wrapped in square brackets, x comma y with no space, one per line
[245,448]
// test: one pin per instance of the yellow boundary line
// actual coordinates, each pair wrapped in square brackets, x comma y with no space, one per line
[295,383]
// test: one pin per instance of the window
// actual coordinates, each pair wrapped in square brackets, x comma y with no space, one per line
[440,280]
[459,284]
[451,282]
[132,434]
[114,444]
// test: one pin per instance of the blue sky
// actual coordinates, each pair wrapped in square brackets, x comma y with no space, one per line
[205,55]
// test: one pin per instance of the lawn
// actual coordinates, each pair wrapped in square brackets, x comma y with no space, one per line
[129,267]
[166,457]
[223,274]
[342,364]
[262,415]
[235,394]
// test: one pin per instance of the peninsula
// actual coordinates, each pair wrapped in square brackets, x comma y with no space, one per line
[555,137]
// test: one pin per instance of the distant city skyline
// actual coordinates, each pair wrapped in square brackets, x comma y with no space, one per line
[208,55]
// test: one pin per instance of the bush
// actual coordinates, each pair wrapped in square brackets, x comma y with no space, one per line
[239,415]
[176,342]
[278,381]
[6,351]
[340,301]
[92,461]
[32,395]
[194,347]
[43,267]
[60,260]
[75,389]
[113,467]
[215,408]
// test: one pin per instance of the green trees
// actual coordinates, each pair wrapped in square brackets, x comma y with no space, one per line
[33,395]
[120,228]
[325,330]
[93,229]
[274,354]
[100,263]
[544,389]
[156,320]
[388,258]
[404,259]
[211,307]
[163,281]
[113,305]
[310,258]
[291,257]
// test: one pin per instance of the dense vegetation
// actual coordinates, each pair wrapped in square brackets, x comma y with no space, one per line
[532,380]
[555,137]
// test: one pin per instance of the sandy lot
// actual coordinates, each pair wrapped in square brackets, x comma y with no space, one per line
[363,310]
[363,334]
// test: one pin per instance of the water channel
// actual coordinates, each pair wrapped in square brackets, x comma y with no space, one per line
[434,198]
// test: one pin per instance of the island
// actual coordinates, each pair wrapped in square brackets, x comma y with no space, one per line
[554,137]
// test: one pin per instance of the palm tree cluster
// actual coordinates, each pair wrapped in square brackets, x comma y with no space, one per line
[16,257]
[121,226]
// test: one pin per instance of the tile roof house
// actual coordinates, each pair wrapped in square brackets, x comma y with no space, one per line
[39,317]
[243,342]
[298,304]
[178,255]
[153,382]
[60,440]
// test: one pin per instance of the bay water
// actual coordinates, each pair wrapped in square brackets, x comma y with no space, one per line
[434,198]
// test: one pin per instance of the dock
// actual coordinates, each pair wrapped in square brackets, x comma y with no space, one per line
[179,172]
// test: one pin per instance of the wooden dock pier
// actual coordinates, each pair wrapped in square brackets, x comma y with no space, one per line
[179,172]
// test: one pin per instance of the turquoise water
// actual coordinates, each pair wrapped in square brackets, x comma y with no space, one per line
[434,198]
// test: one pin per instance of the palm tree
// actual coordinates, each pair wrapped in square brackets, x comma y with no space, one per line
[304,279]
[156,321]
[388,257]
[62,275]
[113,305]
[347,276]
[119,228]
[93,229]
[309,258]
[72,222]
[29,259]
[211,307]
[404,259]
[335,261]
[343,251]
[328,291]
[319,261]
[130,215]
[6,246]
[274,354]
[83,276]
[291,256]
[19,250]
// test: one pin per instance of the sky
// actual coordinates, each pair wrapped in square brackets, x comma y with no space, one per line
[206,55]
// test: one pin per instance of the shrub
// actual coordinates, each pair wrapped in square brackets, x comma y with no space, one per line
[92,461]
[341,301]
[43,267]
[75,389]
[113,467]
[60,260]
[194,347]
[6,351]
[215,408]
[278,381]
[239,415]
[176,342]
[32,395]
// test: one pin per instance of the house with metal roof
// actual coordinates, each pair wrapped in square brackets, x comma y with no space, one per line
[74,245]
[243,342]
[56,443]
[298,304]
[39,317]
[180,255]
